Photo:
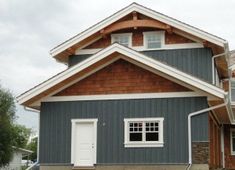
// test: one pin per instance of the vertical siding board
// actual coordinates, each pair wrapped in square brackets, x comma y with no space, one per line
[193,61]
[55,141]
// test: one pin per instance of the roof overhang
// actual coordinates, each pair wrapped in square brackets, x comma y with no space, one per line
[134,7]
[129,54]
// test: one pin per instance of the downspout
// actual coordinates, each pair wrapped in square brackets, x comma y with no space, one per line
[189,129]
[222,146]
[36,111]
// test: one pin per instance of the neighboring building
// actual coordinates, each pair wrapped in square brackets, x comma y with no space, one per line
[141,89]
[16,161]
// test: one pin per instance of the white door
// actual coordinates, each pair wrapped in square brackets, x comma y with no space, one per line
[84,144]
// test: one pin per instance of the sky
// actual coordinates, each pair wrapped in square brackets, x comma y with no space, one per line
[29,29]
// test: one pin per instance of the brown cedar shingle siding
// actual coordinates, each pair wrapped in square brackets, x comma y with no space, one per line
[122,77]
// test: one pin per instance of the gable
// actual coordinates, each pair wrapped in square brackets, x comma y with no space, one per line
[140,17]
[122,77]
[104,58]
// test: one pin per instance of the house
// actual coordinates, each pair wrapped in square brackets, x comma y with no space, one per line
[142,90]
[16,161]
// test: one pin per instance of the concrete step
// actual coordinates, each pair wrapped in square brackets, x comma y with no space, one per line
[83,168]
[199,167]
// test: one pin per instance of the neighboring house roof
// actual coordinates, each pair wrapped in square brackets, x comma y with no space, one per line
[125,53]
[145,11]
[23,151]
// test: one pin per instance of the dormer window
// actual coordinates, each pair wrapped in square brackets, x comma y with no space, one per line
[154,39]
[123,39]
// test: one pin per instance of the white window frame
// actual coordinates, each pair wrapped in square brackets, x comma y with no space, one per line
[129,35]
[230,89]
[144,143]
[162,35]
[231,141]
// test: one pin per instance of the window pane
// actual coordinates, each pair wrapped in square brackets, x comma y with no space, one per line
[122,39]
[151,126]
[135,136]
[151,136]
[154,44]
[154,40]
[233,145]
[233,134]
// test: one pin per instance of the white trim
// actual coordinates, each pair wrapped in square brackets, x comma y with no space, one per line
[144,143]
[151,33]
[129,35]
[142,48]
[133,55]
[122,96]
[87,51]
[74,122]
[145,11]
[231,141]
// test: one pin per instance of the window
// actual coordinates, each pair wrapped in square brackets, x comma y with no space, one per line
[232,90]
[232,141]
[124,39]
[154,39]
[144,132]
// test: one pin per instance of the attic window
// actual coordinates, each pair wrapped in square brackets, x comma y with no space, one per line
[154,39]
[123,39]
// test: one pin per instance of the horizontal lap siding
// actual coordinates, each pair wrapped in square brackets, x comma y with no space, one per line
[196,62]
[55,129]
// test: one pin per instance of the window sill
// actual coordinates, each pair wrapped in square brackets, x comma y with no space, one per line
[143,145]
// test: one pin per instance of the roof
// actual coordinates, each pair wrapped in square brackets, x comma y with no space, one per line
[145,11]
[24,151]
[125,53]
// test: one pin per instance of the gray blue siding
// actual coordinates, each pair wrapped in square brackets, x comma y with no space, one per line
[55,129]
[196,62]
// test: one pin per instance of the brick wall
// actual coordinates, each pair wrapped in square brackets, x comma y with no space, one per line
[229,159]
[122,77]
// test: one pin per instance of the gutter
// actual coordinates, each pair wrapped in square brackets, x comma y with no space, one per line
[36,111]
[189,128]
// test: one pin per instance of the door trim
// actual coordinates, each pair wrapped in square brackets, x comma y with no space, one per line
[73,133]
